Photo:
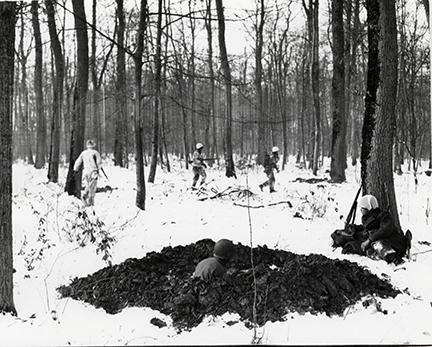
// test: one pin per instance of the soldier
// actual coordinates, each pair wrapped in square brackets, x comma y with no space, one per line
[384,240]
[91,160]
[270,163]
[215,266]
[198,165]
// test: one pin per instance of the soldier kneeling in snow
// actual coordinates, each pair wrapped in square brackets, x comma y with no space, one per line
[215,266]
[377,237]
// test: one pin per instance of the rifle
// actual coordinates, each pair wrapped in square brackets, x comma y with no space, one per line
[103,171]
[352,212]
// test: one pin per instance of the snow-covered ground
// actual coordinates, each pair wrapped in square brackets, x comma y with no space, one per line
[48,252]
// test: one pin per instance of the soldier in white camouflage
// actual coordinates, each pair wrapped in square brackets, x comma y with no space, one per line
[198,165]
[270,164]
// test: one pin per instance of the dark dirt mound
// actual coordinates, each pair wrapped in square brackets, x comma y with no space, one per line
[285,282]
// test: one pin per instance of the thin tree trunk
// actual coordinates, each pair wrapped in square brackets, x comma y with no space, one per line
[262,124]
[7,42]
[230,169]
[141,190]
[315,88]
[41,126]
[58,94]
[157,97]
[121,101]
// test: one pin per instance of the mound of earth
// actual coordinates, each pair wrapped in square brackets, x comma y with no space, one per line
[285,282]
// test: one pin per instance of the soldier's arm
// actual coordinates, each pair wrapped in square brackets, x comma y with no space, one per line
[78,163]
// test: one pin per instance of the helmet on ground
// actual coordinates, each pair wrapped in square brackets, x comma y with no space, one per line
[275,149]
[199,145]
[91,144]
[223,249]
[369,202]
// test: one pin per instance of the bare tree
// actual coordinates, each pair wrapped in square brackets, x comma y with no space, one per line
[137,57]
[315,85]
[121,101]
[379,121]
[7,42]
[338,150]
[73,182]
[58,93]
[229,163]
[157,96]
[262,122]
[41,126]
[23,57]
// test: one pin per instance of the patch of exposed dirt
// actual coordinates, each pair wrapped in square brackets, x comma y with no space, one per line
[286,282]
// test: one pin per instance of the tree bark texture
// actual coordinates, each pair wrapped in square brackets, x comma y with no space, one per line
[58,94]
[315,87]
[338,150]
[7,42]
[121,101]
[157,96]
[40,116]
[229,163]
[262,121]
[137,57]
[378,173]
[73,182]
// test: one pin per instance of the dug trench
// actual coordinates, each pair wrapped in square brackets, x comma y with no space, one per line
[285,282]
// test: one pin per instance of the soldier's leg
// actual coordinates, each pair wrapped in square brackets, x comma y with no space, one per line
[92,189]
[84,197]
[272,182]
[203,175]
[196,176]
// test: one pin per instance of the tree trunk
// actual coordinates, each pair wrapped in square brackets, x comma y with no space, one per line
[121,101]
[208,24]
[7,42]
[229,163]
[157,97]
[262,124]
[315,87]
[379,122]
[41,126]
[58,94]
[338,150]
[141,189]
[73,182]
[24,94]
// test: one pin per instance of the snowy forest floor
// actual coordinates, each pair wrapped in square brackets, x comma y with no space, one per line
[54,243]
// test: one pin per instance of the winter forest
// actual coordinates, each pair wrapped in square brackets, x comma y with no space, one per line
[289,142]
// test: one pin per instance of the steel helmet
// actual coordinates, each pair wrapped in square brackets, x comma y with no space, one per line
[223,249]
[199,145]
[369,202]
[275,149]
[91,144]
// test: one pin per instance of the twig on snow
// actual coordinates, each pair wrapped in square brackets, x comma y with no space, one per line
[261,206]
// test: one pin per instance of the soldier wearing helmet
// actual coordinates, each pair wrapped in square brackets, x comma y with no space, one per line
[198,165]
[215,266]
[270,163]
[90,159]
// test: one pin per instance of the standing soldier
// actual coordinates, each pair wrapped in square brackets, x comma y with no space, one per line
[270,163]
[198,165]
[91,161]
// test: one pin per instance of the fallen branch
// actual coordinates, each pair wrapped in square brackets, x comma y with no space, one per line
[261,206]
[217,195]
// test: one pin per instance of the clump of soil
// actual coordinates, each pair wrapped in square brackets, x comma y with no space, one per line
[285,282]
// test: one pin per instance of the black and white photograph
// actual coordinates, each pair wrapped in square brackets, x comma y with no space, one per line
[215,172]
